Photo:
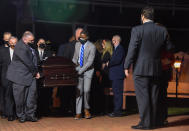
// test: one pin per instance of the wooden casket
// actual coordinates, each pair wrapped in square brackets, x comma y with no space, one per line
[58,71]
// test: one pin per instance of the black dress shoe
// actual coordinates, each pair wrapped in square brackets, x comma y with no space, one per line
[3,116]
[11,118]
[141,127]
[32,119]
[22,120]
[113,114]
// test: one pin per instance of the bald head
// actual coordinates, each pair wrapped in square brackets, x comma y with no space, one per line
[28,37]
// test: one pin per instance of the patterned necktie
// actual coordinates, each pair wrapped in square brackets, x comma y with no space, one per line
[34,59]
[81,55]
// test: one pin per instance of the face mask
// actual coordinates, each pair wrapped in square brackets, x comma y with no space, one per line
[12,46]
[42,46]
[83,41]
[31,45]
[6,43]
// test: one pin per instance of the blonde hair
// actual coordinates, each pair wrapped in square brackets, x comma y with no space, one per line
[108,48]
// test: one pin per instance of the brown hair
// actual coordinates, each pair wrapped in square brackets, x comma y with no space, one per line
[148,13]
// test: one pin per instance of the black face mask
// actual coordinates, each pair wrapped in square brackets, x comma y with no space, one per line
[6,43]
[12,46]
[83,41]
[42,46]
[31,45]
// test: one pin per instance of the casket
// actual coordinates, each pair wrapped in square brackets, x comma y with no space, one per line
[58,71]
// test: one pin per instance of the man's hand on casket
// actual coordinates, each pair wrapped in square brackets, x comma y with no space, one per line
[79,72]
[37,76]
[78,68]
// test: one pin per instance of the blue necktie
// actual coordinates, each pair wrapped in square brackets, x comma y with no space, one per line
[81,55]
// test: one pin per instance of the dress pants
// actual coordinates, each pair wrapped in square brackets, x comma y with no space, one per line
[2,100]
[9,100]
[117,87]
[163,105]
[147,93]
[83,90]
[25,99]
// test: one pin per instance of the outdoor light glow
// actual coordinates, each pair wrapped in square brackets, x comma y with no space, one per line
[177,64]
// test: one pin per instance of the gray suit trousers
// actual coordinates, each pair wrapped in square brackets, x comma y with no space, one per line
[83,91]
[25,99]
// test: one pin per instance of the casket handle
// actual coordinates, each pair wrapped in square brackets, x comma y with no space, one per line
[63,77]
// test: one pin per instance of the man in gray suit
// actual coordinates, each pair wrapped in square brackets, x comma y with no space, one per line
[22,72]
[83,57]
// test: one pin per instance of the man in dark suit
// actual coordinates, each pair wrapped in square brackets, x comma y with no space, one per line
[45,94]
[145,46]
[6,37]
[116,75]
[6,55]
[42,52]
[23,73]
[67,50]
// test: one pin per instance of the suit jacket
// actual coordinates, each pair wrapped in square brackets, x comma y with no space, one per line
[145,47]
[116,64]
[67,50]
[5,60]
[46,53]
[22,68]
[89,55]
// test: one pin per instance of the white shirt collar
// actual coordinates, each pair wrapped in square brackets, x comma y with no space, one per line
[148,21]
[11,52]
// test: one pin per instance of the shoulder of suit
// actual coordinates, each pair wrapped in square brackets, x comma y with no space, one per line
[161,27]
[77,43]
[137,27]
[91,44]
[4,48]
[121,47]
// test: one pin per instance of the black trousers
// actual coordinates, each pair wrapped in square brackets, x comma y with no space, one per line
[165,78]
[147,93]
[25,99]
[117,87]
[9,100]
[2,100]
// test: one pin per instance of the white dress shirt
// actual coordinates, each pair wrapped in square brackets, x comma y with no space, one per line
[41,52]
[11,52]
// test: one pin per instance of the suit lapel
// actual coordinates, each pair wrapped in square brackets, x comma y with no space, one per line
[8,55]
[86,49]
[115,50]
[79,46]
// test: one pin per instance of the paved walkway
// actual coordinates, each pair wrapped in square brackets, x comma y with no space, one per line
[100,123]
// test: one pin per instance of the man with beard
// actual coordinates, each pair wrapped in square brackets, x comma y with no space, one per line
[6,55]
[23,72]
